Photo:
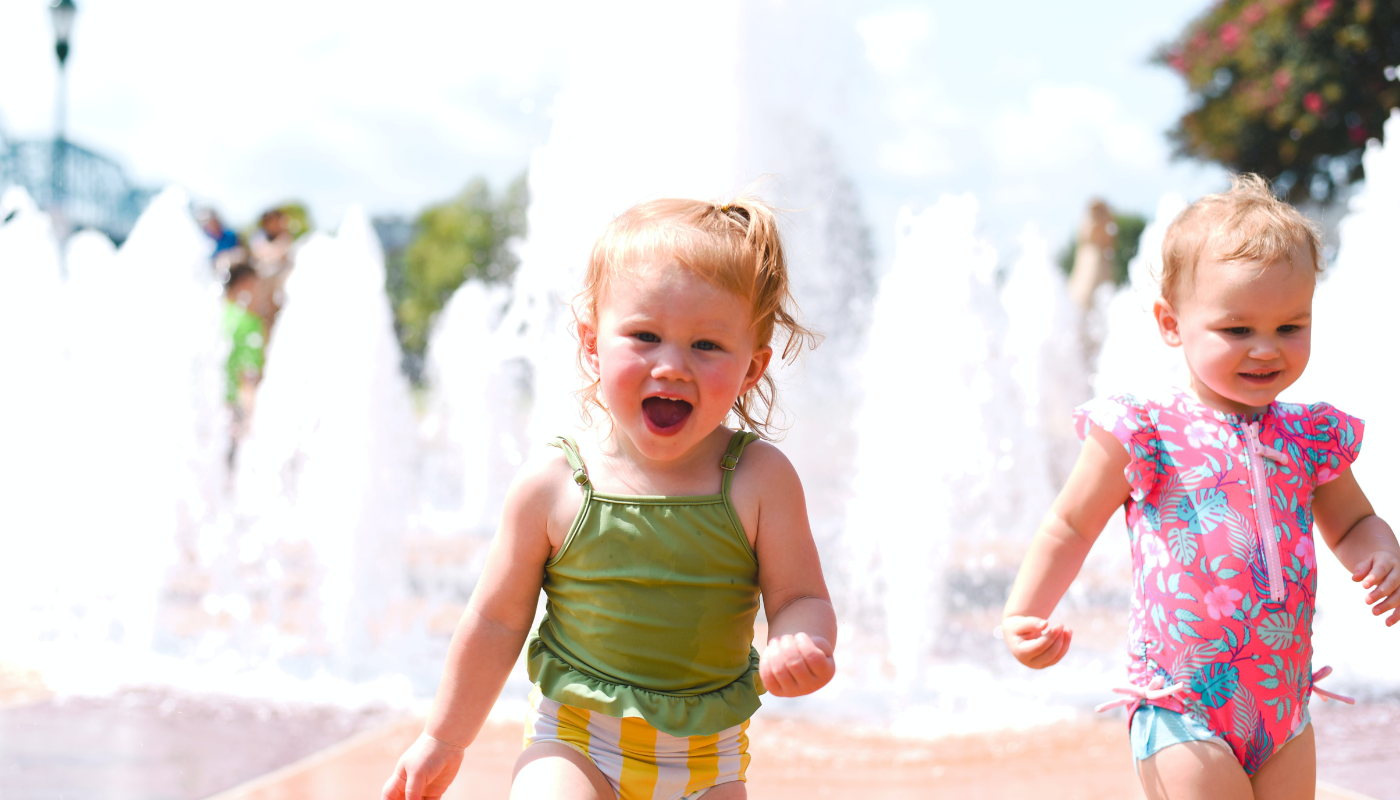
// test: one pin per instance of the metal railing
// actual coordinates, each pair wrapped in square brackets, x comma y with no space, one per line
[90,189]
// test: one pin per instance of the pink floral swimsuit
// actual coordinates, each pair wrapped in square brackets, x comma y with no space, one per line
[1219,610]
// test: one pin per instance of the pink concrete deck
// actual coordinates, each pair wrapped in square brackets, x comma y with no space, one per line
[1085,761]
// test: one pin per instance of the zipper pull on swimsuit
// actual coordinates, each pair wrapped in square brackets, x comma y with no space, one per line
[1263,508]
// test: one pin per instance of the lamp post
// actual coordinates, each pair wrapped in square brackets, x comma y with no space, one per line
[62,13]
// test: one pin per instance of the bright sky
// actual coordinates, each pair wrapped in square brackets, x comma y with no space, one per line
[1035,108]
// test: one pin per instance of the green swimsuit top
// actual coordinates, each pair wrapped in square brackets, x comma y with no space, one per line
[649,609]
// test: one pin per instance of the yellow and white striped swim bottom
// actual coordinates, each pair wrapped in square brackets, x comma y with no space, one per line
[640,762]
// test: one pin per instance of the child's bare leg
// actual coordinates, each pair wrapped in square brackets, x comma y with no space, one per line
[553,771]
[1291,773]
[734,790]
[1195,771]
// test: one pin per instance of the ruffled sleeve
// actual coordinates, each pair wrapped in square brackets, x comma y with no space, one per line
[1336,441]
[1130,422]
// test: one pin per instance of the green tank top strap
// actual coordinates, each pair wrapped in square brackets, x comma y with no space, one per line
[730,461]
[570,448]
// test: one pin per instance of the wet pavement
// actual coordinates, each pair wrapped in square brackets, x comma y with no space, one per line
[159,745]
[1358,747]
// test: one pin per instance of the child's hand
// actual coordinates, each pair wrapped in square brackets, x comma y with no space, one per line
[1381,574]
[1035,642]
[792,666]
[425,771]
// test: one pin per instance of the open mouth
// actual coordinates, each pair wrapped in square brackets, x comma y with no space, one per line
[664,415]
[1260,377]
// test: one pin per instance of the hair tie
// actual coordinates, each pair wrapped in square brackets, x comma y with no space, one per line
[737,211]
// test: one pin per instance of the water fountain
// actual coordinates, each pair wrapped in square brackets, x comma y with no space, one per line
[1351,338]
[31,340]
[124,360]
[1047,351]
[1133,357]
[941,514]
[473,428]
[313,568]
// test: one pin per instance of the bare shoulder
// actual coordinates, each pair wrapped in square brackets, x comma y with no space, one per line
[544,472]
[766,491]
[544,495]
[764,466]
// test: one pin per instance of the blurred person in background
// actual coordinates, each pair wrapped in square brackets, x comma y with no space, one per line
[272,246]
[228,251]
[247,336]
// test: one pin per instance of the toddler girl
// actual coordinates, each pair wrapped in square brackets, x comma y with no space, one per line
[652,537]
[1223,486]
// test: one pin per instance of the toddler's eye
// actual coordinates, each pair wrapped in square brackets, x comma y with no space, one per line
[1289,328]
[1237,331]
[648,337]
[704,345]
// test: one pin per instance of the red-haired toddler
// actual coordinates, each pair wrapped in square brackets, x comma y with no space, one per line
[653,536]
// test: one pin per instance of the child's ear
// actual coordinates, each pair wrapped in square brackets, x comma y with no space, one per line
[1168,324]
[757,366]
[588,341]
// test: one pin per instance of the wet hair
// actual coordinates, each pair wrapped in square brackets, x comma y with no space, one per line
[1246,223]
[734,246]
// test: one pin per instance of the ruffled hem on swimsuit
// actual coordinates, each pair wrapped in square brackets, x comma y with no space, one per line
[676,714]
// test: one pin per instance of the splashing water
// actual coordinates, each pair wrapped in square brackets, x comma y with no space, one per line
[943,507]
[324,479]
[473,431]
[1134,358]
[1352,340]
[122,463]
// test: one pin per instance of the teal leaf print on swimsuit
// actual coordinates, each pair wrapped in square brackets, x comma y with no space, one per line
[1202,510]
[1150,511]
[1241,536]
[1259,571]
[1246,716]
[1215,683]
[1277,630]
[1182,542]
[1192,658]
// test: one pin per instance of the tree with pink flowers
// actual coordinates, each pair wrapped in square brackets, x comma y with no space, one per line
[1290,89]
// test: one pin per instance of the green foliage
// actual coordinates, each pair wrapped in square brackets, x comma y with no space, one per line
[1127,232]
[462,238]
[1290,89]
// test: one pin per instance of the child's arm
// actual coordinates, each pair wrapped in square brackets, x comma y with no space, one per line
[489,636]
[1362,541]
[801,622]
[1095,489]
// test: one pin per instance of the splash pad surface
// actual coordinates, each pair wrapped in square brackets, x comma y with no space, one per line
[157,744]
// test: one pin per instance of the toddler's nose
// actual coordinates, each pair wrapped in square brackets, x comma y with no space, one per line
[670,364]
